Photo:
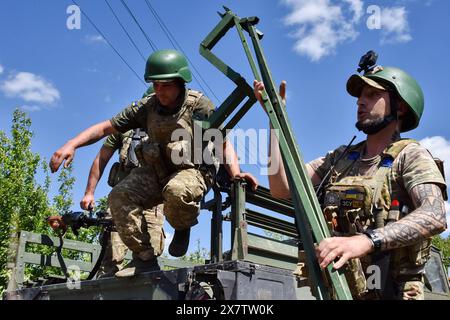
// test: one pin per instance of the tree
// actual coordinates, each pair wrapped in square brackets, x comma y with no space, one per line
[102,204]
[198,256]
[443,245]
[24,202]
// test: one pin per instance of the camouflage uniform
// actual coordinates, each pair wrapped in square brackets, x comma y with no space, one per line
[116,250]
[159,180]
[413,166]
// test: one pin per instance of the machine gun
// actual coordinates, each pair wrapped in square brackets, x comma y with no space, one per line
[78,220]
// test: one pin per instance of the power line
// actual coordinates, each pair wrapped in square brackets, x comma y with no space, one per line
[175,44]
[126,32]
[109,43]
[152,44]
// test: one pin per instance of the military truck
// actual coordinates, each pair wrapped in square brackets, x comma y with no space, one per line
[256,267]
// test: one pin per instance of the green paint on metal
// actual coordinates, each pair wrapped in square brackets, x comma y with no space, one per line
[271,224]
[216,229]
[238,224]
[307,209]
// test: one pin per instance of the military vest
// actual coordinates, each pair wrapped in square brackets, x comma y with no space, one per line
[160,151]
[354,203]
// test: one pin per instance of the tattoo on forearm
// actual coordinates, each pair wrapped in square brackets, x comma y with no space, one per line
[426,221]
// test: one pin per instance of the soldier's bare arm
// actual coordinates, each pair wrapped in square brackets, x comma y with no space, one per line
[86,137]
[96,172]
[424,222]
[278,183]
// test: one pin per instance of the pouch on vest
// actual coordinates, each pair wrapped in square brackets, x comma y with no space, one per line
[348,206]
[149,154]
[113,174]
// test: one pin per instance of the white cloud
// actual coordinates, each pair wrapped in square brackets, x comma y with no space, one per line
[1,69]
[394,25]
[31,108]
[440,148]
[30,87]
[357,6]
[321,25]
[90,38]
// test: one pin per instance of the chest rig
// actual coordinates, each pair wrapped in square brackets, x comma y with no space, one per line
[160,151]
[354,203]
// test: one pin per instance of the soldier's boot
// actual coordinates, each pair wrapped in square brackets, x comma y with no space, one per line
[142,262]
[103,273]
[180,243]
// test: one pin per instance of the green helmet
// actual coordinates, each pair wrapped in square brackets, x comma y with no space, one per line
[405,86]
[167,65]
[148,92]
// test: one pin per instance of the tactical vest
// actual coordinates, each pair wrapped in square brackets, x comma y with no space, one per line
[127,156]
[158,151]
[353,204]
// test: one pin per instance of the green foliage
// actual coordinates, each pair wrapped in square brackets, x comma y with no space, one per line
[102,204]
[198,256]
[443,245]
[24,202]
[63,201]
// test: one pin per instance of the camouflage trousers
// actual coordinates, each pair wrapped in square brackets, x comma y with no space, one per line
[116,250]
[141,190]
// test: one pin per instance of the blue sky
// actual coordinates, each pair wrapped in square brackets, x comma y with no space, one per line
[68,80]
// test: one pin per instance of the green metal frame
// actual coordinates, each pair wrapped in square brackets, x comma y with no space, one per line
[245,245]
[56,260]
[310,224]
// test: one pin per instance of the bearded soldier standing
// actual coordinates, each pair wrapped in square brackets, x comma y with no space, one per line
[383,198]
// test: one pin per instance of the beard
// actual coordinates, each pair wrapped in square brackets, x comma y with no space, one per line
[372,126]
